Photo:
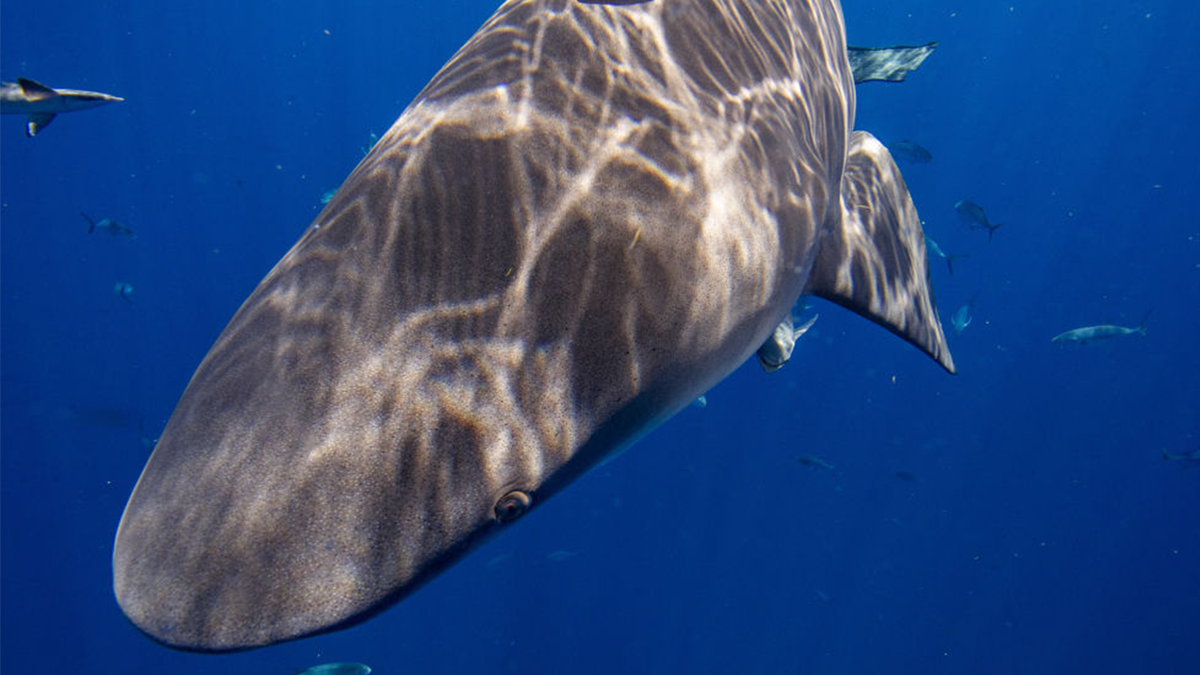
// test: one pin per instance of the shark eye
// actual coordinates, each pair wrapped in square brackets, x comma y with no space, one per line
[512,506]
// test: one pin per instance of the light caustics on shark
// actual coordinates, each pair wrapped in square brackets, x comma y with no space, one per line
[590,216]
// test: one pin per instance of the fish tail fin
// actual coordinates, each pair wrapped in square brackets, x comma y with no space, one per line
[992,230]
[875,263]
[91,223]
[1141,327]
[951,258]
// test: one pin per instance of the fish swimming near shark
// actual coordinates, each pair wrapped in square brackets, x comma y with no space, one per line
[590,216]
[777,350]
[949,258]
[815,462]
[112,227]
[911,152]
[1088,334]
[961,318]
[42,103]
[977,217]
[124,291]
[346,668]
[1191,456]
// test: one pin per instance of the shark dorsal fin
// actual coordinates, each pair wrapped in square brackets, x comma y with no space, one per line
[875,264]
[35,91]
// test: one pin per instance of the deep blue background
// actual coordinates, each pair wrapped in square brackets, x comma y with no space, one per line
[1043,532]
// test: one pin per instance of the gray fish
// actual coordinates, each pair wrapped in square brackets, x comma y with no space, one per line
[108,225]
[336,669]
[1092,333]
[962,317]
[590,216]
[778,350]
[124,291]
[814,462]
[1193,456]
[909,151]
[977,217]
[42,103]
[937,250]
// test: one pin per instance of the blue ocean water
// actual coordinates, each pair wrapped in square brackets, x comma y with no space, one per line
[1017,517]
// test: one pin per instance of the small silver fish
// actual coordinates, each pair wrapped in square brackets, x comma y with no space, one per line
[937,250]
[124,291]
[108,225]
[1102,332]
[962,317]
[1193,456]
[336,669]
[776,351]
[814,462]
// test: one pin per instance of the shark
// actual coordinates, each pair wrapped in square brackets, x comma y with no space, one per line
[1105,331]
[42,103]
[591,214]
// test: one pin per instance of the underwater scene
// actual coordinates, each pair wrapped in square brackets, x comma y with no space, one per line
[570,337]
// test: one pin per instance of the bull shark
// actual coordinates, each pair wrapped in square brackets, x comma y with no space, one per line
[42,103]
[590,216]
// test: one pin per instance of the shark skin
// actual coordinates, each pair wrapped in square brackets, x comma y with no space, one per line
[42,103]
[590,216]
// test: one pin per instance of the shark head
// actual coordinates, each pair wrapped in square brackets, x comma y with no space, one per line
[590,216]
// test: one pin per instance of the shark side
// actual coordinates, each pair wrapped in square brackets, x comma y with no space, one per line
[590,216]
[42,103]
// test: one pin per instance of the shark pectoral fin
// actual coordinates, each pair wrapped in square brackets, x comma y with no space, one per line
[887,64]
[875,264]
[37,122]
[35,91]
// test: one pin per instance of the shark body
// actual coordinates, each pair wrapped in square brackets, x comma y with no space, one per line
[591,215]
[42,103]
[1105,331]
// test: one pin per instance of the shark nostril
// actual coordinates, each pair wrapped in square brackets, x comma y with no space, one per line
[512,506]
